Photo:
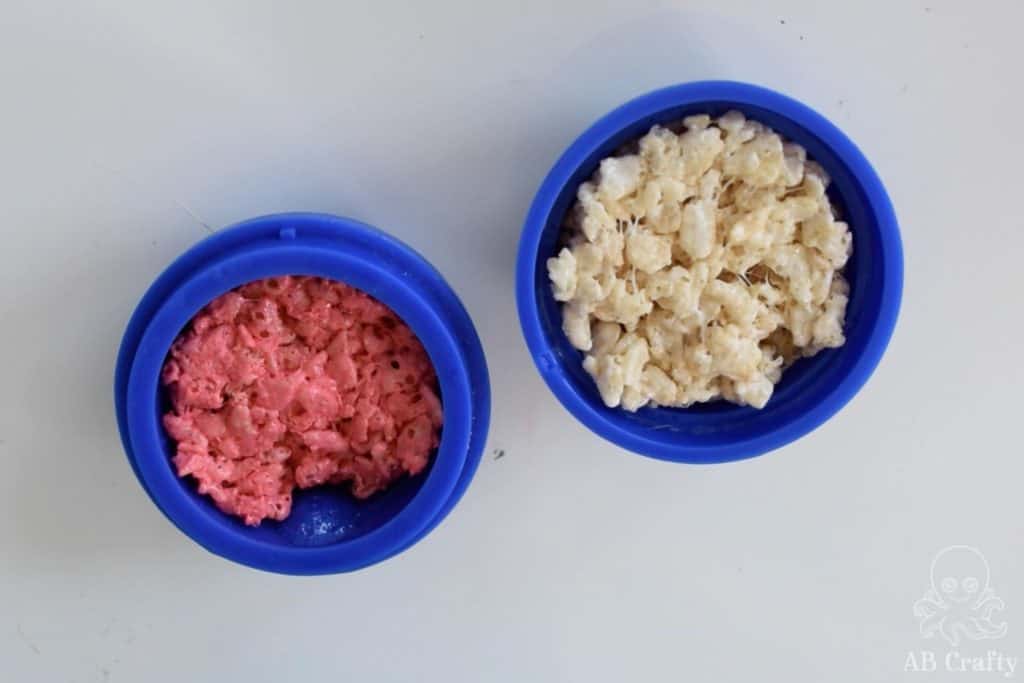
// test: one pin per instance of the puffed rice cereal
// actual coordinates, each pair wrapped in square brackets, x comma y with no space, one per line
[701,266]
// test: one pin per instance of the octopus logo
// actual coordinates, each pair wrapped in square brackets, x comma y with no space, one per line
[960,602]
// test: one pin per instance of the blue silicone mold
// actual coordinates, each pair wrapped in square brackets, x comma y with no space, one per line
[328,530]
[813,389]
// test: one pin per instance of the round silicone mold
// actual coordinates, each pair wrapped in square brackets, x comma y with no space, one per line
[813,389]
[328,530]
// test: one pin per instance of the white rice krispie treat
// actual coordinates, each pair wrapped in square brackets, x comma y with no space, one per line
[701,266]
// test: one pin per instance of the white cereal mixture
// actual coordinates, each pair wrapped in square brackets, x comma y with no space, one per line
[701,266]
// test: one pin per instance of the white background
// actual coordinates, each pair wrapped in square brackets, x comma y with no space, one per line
[126,125]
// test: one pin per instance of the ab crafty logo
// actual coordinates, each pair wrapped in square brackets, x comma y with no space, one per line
[960,609]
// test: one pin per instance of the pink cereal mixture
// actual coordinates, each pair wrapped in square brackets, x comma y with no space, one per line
[294,382]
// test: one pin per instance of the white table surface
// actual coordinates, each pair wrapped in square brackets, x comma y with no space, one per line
[127,126]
